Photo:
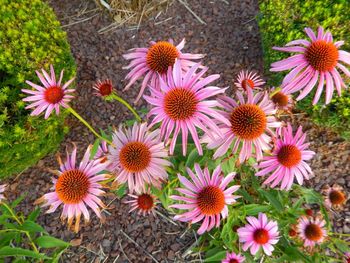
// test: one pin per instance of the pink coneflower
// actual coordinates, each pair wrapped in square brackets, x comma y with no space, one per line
[347,257]
[317,61]
[2,190]
[246,123]
[233,258]
[248,79]
[206,197]
[144,202]
[182,105]
[311,230]
[259,233]
[138,157]
[288,159]
[76,188]
[156,60]
[282,99]
[103,88]
[102,151]
[335,196]
[50,96]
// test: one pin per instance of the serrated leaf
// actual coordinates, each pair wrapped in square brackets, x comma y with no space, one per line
[50,242]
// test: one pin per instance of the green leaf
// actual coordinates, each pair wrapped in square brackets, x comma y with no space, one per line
[34,215]
[341,245]
[192,158]
[18,200]
[217,257]
[94,148]
[50,242]
[254,209]
[246,196]
[15,252]
[7,237]
[31,226]
[121,191]
[273,200]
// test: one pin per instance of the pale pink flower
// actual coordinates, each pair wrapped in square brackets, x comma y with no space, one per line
[50,96]
[334,197]
[287,160]
[206,197]
[247,124]
[144,203]
[154,61]
[259,233]
[233,258]
[138,157]
[316,61]
[2,190]
[311,230]
[76,188]
[248,79]
[183,105]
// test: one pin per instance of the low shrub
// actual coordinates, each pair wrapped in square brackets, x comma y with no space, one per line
[30,38]
[283,21]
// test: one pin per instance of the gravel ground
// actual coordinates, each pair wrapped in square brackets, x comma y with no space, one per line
[231,41]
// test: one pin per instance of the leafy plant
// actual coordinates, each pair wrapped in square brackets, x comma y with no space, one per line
[31,39]
[283,21]
[24,240]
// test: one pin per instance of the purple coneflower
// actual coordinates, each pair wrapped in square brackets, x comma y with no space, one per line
[311,230]
[76,188]
[103,88]
[288,159]
[233,258]
[138,157]
[335,196]
[144,203]
[248,79]
[50,96]
[182,104]
[247,122]
[206,197]
[282,99]
[259,233]
[317,61]
[154,61]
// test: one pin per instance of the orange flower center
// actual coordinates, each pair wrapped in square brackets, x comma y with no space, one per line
[180,104]
[135,156]
[53,94]
[292,233]
[261,236]
[247,83]
[322,56]
[145,202]
[211,200]
[105,88]
[248,121]
[72,186]
[280,99]
[313,232]
[233,260]
[161,55]
[337,197]
[289,156]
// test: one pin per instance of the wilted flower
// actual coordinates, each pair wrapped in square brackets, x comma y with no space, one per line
[76,188]
[317,61]
[283,100]
[206,197]
[183,105]
[138,157]
[233,258]
[335,197]
[50,96]
[259,233]
[287,160]
[248,79]
[144,202]
[155,61]
[311,230]
[247,124]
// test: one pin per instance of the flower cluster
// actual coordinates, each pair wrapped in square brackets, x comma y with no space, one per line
[184,103]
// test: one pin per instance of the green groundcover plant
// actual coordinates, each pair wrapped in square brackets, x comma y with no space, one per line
[227,166]
[283,21]
[30,38]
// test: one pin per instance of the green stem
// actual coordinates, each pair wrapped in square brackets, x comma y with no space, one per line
[340,234]
[77,115]
[126,104]
[14,216]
